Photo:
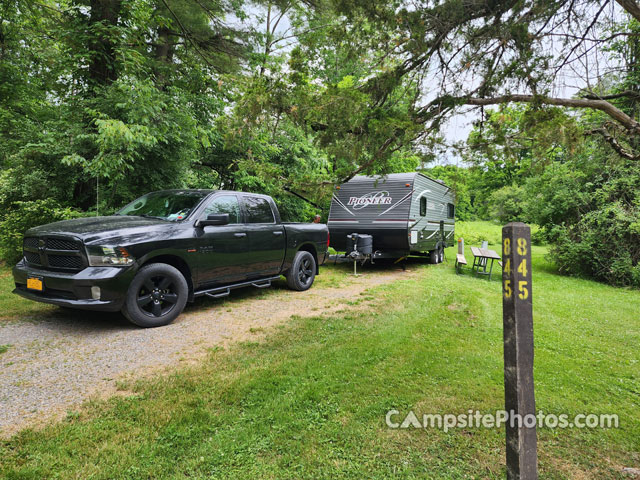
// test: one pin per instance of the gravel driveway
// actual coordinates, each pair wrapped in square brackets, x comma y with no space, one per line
[64,357]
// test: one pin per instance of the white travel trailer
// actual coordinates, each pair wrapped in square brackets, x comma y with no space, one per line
[403,213]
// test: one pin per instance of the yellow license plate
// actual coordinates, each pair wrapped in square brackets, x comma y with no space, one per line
[34,283]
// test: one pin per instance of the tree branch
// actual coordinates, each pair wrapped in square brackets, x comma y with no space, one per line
[187,34]
[584,36]
[596,104]
[626,93]
[611,140]
[631,7]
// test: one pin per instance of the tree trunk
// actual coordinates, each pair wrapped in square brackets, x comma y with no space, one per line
[163,54]
[631,7]
[104,15]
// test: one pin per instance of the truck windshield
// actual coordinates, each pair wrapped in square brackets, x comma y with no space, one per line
[166,205]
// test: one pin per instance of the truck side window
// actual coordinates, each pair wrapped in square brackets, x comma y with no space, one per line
[258,210]
[423,206]
[224,204]
[451,210]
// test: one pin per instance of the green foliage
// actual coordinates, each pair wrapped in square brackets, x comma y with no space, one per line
[477,231]
[117,144]
[590,211]
[267,160]
[84,96]
[101,102]
[459,180]
[23,216]
[513,144]
[507,204]
[537,165]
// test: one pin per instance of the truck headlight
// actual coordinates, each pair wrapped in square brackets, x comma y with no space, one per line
[109,256]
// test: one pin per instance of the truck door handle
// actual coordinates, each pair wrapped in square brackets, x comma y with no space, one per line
[277,232]
[239,235]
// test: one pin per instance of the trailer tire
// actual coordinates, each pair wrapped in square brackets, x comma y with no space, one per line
[302,272]
[436,256]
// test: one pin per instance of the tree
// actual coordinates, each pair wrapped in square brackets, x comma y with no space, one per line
[113,86]
[479,54]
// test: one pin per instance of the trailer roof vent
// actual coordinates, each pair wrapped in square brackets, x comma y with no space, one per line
[440,181]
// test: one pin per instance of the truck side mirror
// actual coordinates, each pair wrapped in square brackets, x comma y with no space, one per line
[214,219]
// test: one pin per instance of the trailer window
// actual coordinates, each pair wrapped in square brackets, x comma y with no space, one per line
[423,206]
[451,210]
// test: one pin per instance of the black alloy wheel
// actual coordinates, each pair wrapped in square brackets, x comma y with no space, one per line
[305,272]
[302,272]
[156,296]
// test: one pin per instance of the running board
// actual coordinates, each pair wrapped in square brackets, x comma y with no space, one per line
[220,292]
[224,293]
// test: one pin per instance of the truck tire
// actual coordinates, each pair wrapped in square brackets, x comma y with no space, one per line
[156,296]
[302,272]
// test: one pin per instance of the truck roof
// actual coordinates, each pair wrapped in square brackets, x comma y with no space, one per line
[207,190]
[186,190]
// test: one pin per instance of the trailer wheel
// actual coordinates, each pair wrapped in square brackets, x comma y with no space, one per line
[302,272]
[436,256]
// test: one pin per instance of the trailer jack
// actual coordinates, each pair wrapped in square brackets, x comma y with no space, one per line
[404,262]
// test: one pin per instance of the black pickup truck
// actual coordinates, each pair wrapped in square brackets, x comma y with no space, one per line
[165,249]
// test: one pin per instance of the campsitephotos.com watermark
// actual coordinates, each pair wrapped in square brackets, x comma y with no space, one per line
[477,419]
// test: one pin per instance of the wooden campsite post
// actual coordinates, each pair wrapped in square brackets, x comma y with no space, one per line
[518,352]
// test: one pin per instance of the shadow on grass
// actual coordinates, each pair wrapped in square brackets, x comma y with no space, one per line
[496,275]
[329,269]
[380,265]
[236,296]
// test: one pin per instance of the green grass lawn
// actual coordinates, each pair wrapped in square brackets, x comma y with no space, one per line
[13,307]
[474,233]
[310,400]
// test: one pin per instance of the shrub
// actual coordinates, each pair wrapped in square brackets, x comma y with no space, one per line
[23,216]
[506,204]
[538,237]
[589,211]
[604,244]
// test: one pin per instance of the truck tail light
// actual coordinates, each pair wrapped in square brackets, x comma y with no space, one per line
[328,239]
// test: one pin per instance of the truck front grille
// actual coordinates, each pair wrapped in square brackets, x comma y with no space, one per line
[32,258]
[65,261]
[54,253]
[62,244]
[30,242]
